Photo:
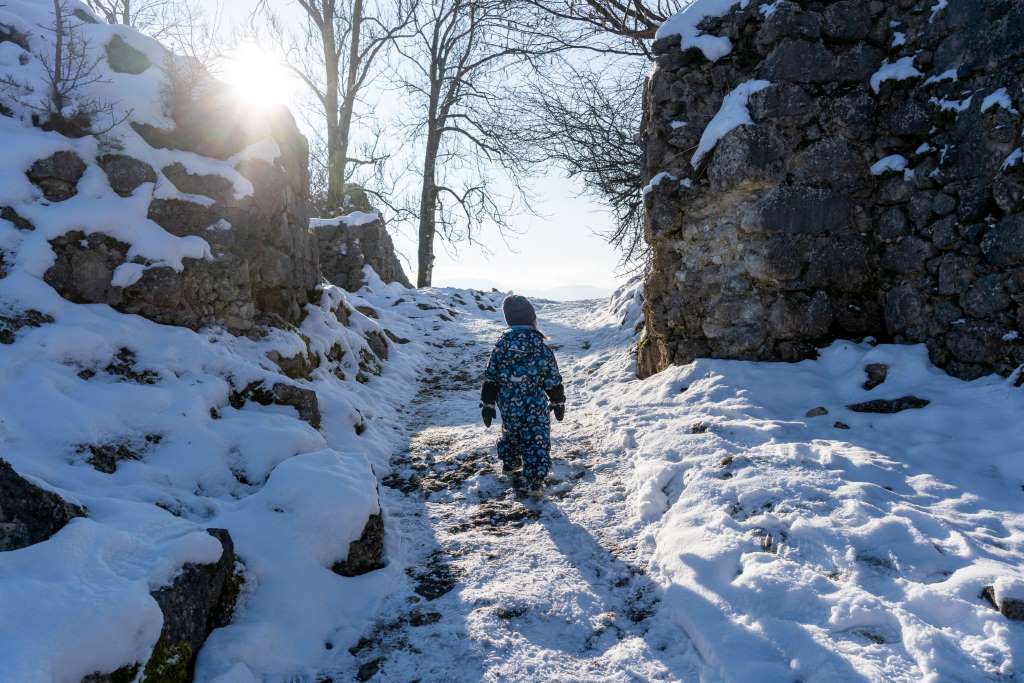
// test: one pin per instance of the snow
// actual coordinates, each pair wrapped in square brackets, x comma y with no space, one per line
[936,8]
[947,75]
[952,105]
[900,70]
[685,22]
[898,38]
[891,163]
[732,114]
[924,148]
[999,98]
[656,180]
[1013,335]
[1014,158]
[768,9]
[678,124]
[351,220]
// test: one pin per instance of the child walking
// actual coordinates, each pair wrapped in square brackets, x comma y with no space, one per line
[522,378]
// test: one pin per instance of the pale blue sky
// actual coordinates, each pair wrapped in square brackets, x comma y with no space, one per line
[557,250]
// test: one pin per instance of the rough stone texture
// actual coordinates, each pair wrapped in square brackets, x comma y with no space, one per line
[876,373]
[303,400]
[344,250]
[201,598]
[58,175]
[29,514]
[125,173]
[888,406]
[367,552]
[264,267]
[1010,608]
[124,58]
[785,241]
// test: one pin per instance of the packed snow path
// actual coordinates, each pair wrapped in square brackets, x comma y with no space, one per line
[501,588]
[723,520]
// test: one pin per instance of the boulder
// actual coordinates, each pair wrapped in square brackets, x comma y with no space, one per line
[876,373]
[889,406]
[126,174]
[365,554]
[123,58]
[58,175]
[28,513]
[201,598]
[345,248]
[788,205]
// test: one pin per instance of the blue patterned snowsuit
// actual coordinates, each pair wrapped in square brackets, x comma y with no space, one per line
[524,368]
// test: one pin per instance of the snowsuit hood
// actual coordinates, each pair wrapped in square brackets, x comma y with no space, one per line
[519,311]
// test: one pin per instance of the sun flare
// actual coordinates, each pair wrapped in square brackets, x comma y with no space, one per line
[258,79]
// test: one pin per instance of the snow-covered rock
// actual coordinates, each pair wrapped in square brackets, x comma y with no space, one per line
[142,228]
[870,185]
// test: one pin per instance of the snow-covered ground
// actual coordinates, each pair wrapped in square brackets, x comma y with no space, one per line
[699,526]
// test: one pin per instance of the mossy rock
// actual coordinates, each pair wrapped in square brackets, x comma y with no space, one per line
[169,664]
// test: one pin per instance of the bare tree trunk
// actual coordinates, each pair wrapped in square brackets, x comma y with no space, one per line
[56,92]
[335,154]
[348,104]
[126,12]
[428,208]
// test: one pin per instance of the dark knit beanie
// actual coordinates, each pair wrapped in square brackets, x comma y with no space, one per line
[519,311]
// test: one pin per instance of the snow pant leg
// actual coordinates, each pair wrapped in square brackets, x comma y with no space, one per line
[508,449]
[536,452]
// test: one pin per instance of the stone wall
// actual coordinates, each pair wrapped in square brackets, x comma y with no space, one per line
[348,243]
[264,265]
[785,237]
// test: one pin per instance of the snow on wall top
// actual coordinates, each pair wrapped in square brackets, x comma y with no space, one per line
[350,220]
[685,22]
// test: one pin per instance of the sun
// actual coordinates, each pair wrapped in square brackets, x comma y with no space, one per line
[257,78]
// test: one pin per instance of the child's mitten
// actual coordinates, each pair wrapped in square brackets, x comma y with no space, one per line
[488,395]
[487,413]
[557,398]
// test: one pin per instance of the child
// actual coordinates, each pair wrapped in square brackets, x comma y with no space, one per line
[522,377]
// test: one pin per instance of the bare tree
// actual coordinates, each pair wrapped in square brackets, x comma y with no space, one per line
[69,69]
[586,117]
[634,21]
[461,65]
[188,27]
[337,53]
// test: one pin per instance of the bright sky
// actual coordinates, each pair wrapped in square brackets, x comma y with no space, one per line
[557,254]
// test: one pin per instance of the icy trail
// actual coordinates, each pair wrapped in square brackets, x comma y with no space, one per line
[721,521]
[503,589]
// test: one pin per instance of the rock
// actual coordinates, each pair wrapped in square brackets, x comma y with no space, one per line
[214,186]
[58,175]
[9,34]
[378,344]
[841,425]
[889,406]
[345,250]
[1003,244]
[365,554]
[126,173]
[1011,608]
[201,598]
[876,372]
[11,216]
[11,323]
[817,412]
[299,366]
[125,59]
[28,513]
[789,207]
[368,311]
[303,400]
